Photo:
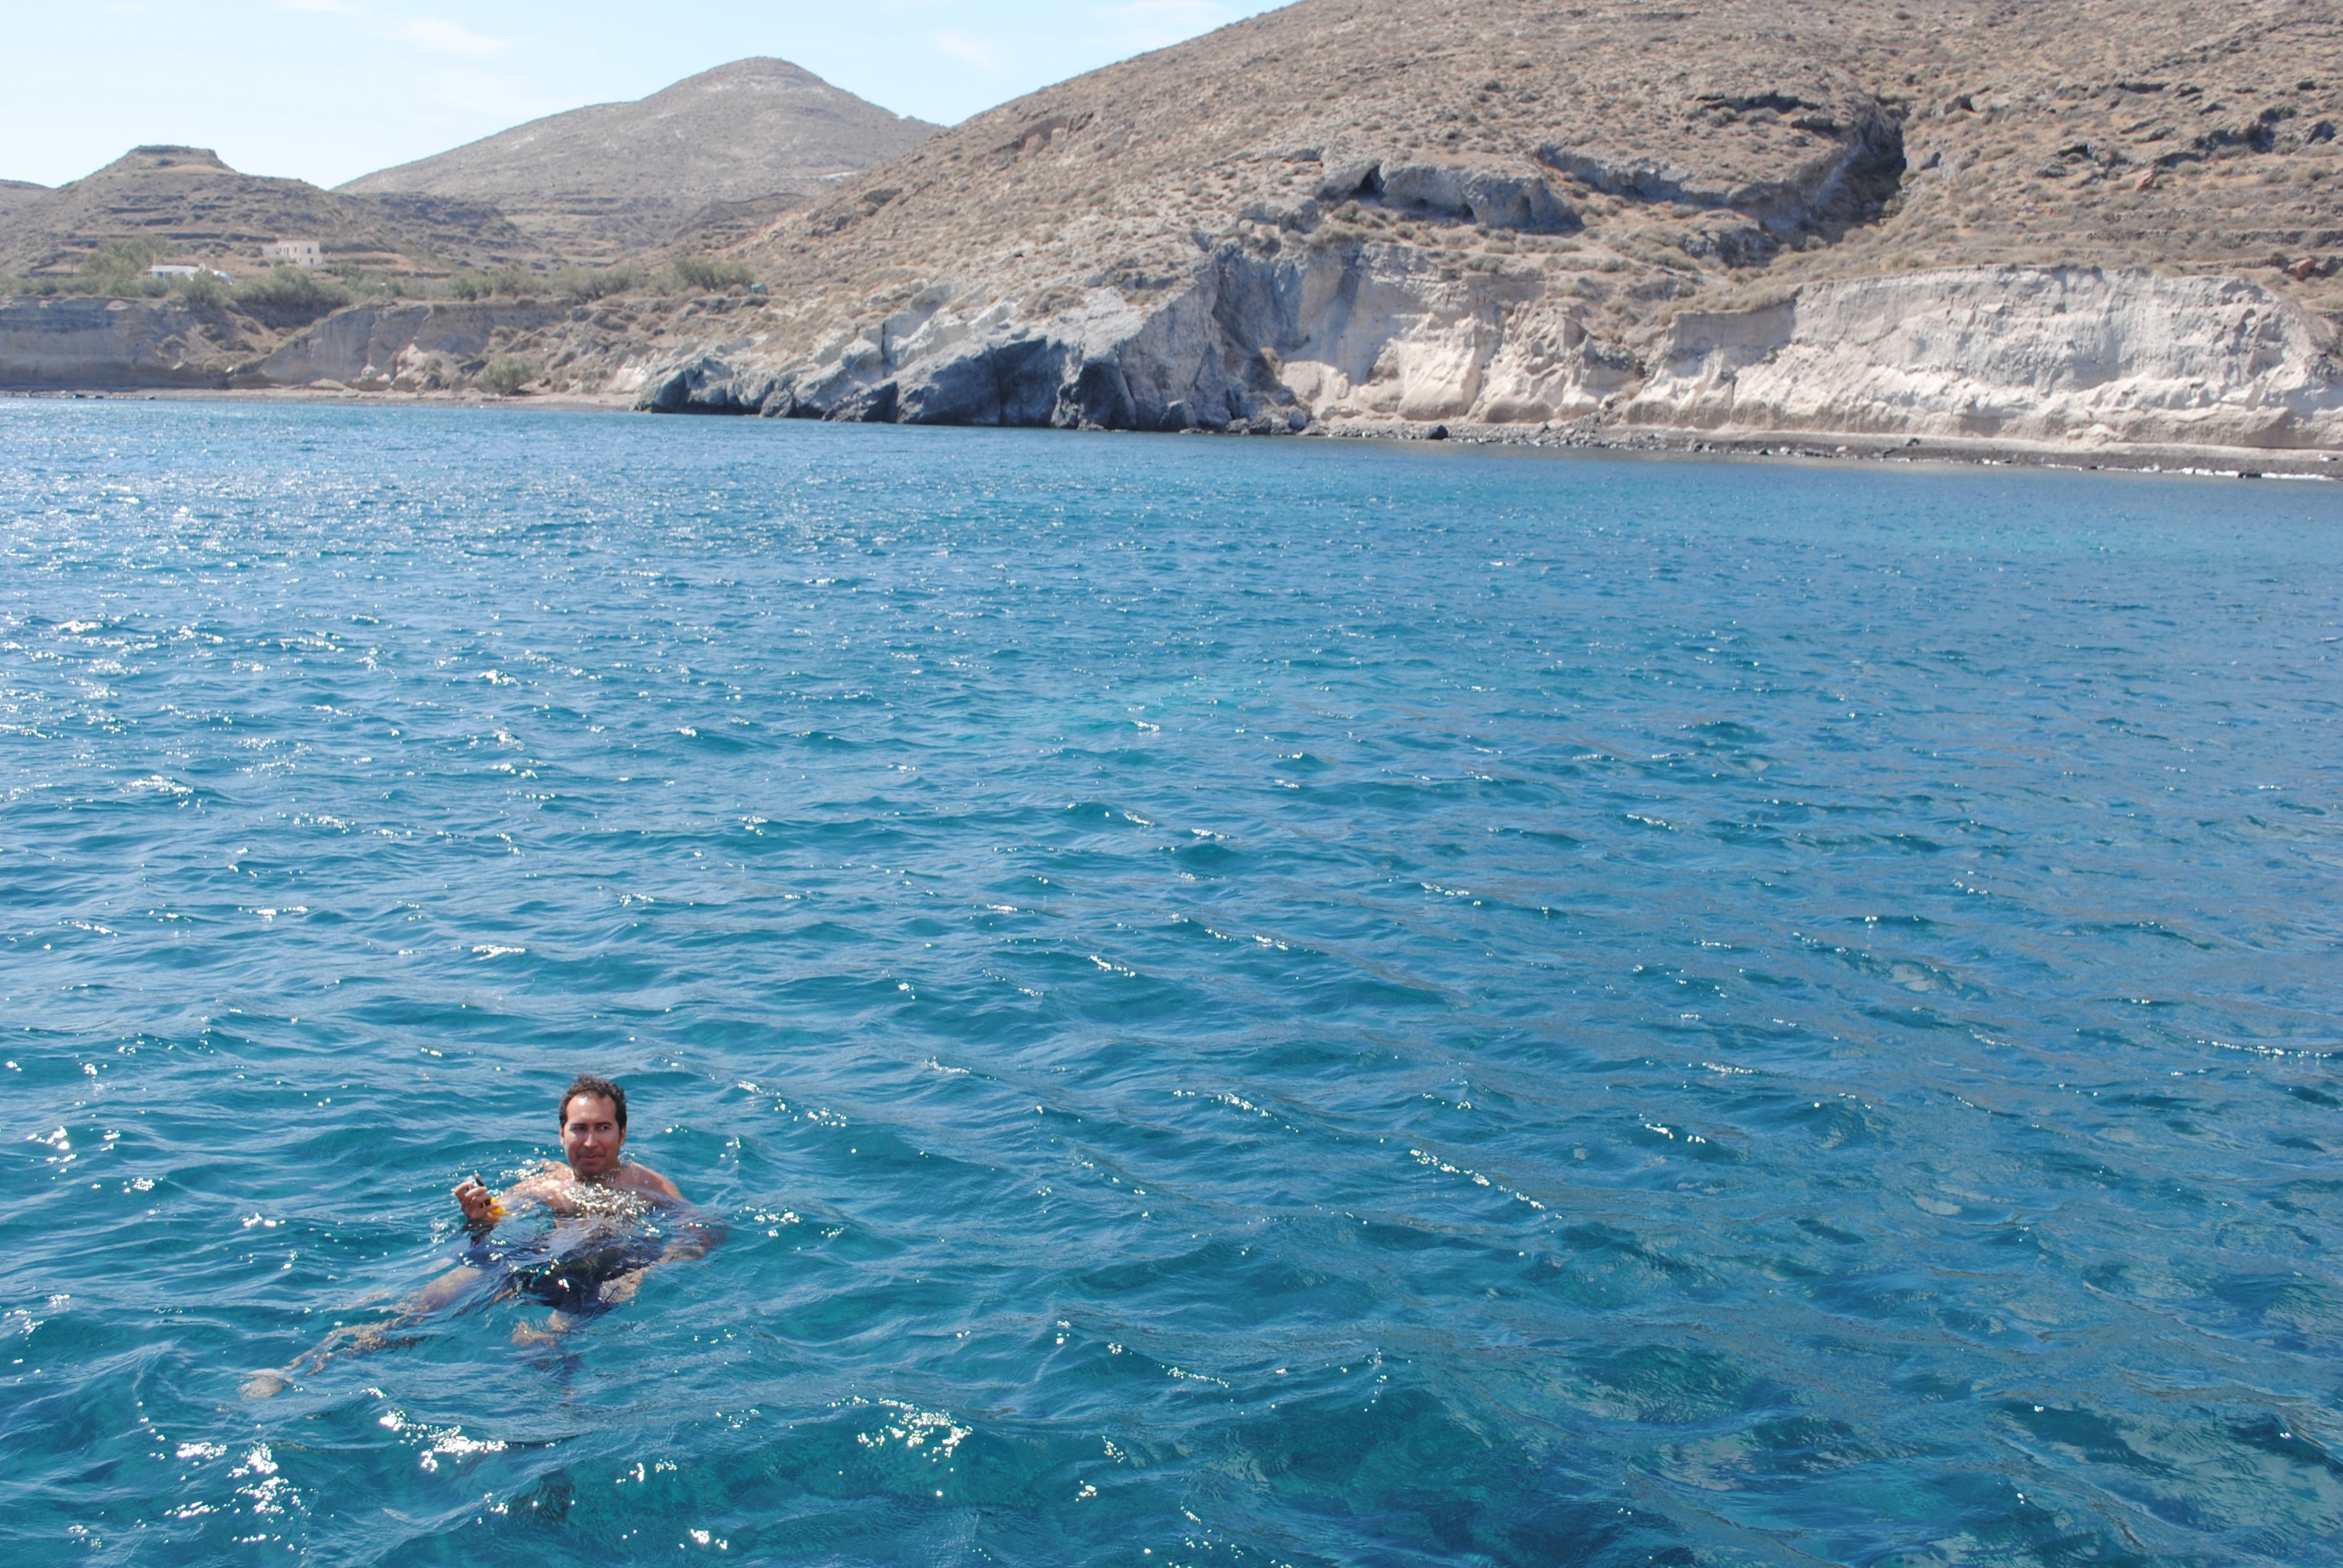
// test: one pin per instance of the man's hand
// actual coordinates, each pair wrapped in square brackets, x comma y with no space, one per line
[480,1204]
[622,1289]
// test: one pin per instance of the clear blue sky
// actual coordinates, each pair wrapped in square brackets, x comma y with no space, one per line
[326,90]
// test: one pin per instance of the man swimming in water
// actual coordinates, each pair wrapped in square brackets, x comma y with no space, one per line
[599,1184]
[592,1257]
[593,1118]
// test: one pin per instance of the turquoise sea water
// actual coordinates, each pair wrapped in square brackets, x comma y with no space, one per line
[1239,1003]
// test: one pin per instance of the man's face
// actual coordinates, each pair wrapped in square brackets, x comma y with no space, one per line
[591,1136]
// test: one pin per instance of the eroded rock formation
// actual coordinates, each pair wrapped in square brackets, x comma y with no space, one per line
[101,344]
[2007,353]
[421,348]
[1370,335]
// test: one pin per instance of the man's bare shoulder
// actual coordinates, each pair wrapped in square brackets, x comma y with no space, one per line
[644,1179]
[542,1185]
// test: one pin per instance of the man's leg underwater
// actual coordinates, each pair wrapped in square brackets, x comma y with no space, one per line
[364,1338]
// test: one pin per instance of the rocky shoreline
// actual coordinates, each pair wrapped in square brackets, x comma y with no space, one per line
[1583,436]
[2076,367]
[2137,458]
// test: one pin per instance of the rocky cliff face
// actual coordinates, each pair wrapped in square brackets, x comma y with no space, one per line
[1354,212]
[102,344]
[2008,353]
[420,347]
[94,344]
[1366,337]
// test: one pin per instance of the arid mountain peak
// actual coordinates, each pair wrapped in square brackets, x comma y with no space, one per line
[158,158]
[759,137]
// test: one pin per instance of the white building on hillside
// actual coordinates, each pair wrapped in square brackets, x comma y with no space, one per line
[294,252]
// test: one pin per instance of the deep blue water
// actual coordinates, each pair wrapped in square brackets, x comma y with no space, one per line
[1242,1002]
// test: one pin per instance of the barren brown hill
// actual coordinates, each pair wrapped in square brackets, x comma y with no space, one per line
[200,209]
[15,194]
[2094,132]
[732,148]
[1504,210]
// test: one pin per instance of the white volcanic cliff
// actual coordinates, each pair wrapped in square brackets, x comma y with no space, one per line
[1365,336]
[2008,353]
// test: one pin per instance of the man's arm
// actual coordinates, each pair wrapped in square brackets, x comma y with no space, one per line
[482,1207]
[694,1243]
[693,1238]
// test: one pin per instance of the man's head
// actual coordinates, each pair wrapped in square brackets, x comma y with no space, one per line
[593,1125]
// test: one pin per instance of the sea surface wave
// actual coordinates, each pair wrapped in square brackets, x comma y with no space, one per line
[1239,1003]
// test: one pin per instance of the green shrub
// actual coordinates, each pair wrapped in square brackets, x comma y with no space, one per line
[205,289]
[507,374]
[471,283]
[584,283]
[289,296]
[707,274]
[599,282]
[118,271]
[126,256]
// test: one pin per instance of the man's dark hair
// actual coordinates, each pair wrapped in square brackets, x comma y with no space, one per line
[601,1088]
